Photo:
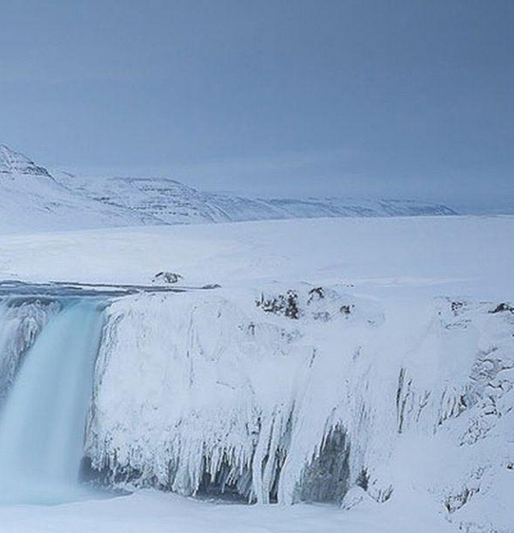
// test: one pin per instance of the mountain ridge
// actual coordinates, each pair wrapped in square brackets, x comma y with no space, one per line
[15,162]
[174,202]
[36,199]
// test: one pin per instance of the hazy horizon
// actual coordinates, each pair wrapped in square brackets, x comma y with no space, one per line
[333,98]
[113,173]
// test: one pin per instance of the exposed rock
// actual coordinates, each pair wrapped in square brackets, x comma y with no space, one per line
[316,294]
[12,162]
[346,309]
[503,307]
[455,502]
[326,478]
[167,277]
[282,304]
[456,307]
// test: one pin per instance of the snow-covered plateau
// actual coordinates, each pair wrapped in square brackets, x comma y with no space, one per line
[356,371]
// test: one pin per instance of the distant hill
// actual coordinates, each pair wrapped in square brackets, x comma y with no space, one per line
[172,202]
[32,198]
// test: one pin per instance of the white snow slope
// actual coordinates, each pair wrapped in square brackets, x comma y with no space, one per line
[364,361]
[31,200]
[172,202]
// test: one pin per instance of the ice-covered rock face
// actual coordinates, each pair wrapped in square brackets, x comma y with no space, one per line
[21,321]
[229,393]
[12,162]
[196,394]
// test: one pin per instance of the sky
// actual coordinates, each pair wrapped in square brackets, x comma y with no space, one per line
[403,99]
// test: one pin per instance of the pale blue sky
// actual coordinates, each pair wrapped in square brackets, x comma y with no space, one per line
[407,98]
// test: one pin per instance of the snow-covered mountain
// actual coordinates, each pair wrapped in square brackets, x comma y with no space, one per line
[32,198]
[172,202]
[12,162]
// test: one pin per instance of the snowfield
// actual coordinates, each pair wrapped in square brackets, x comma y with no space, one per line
[159,512]
[361,369]
[434,255]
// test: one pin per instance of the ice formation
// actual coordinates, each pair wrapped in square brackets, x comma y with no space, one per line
[295,393]
[21,321]
[304,393]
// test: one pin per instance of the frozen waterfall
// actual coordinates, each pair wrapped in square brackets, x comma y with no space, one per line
[43,419]
[304,395]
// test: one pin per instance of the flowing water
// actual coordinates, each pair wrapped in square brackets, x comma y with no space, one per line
[43,419]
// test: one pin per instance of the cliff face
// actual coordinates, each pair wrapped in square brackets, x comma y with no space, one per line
[231,393]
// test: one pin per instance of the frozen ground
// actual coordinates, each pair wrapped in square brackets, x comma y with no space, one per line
[420,292]
[151,511]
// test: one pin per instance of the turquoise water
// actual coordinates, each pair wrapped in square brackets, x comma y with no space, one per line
[43,420]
